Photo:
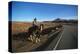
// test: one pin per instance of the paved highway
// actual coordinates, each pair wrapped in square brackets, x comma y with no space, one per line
[67,39]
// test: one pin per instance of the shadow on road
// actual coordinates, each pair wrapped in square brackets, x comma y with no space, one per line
[43,46]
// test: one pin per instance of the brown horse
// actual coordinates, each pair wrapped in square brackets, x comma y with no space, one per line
[34,33]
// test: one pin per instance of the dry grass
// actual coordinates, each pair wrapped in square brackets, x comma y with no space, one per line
[18,27]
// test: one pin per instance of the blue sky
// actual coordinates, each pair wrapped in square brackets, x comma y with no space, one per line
[24,11]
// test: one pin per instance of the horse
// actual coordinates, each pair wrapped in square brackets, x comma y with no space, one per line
[34,33]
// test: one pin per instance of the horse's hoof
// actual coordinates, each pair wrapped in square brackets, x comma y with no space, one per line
[31,39]
[28,38]
[39,40]
[36,41]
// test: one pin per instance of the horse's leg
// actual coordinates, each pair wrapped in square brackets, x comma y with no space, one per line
[29,38]
[37,40]
[38,37]
[32,38]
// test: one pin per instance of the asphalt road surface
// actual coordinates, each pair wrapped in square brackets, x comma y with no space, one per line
[67,39]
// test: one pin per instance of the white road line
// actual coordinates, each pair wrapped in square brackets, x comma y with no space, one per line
[58,42]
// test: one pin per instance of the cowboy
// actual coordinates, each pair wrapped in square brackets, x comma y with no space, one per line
[35,22]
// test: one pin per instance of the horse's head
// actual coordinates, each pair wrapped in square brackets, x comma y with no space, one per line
[41,27]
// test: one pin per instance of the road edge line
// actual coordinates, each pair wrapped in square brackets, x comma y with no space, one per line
[58,42]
